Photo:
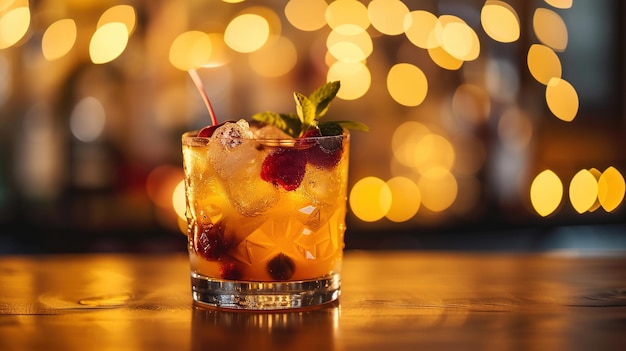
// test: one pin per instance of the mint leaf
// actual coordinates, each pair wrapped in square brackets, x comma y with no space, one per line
[305,110]
[352,125]
[308,112]
[330,129]
[322,97]
[288,123]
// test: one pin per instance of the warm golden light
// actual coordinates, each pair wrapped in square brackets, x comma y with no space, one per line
[596,174]
[418,26]
[546,192]
[387,16]
[220,53]
[4,4]
[611,189]
[560,4]
[370,199]
[274,59]
[247,33]
[405,139]
[405,199]
[349,48]
[550,29]
[13,26]
[178,200]
[583,191]
[438,188]
[161,184]
[342,12]
[433,151]
[108,42]
[121,13]
[190,49]
[543,63]
[562,99]
[407,84]
[306,15]
[460,41]
[443,59]
[355,79]
[500,21]
[58,39]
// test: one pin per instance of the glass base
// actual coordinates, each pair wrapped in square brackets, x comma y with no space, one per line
[248,295]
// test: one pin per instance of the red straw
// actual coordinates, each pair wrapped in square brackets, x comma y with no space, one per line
[196,80]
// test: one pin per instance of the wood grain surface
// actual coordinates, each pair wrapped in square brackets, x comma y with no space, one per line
[389,301]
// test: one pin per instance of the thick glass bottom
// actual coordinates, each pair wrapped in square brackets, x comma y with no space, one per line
[248,295]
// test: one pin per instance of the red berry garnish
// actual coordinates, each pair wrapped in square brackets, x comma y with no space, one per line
[207,131]
[326,152]
[281,267]
[230,271]
[210,242]
[284,167]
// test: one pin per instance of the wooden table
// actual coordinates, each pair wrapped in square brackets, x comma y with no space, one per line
[390,301]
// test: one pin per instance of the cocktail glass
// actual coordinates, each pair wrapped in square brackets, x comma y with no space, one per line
[266,218]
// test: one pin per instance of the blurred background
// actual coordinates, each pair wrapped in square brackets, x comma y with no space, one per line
[495,125]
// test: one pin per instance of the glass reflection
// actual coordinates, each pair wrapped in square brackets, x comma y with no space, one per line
[220,330]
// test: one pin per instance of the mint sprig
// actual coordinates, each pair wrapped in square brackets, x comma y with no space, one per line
[309,109]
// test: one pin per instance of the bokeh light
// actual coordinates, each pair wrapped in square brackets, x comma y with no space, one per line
[247,33]
[543,63]
[550,29]
[460,41]
[354,47]
[611,189]
[500,21]
[405,199]
[418,26]
[562,99]
[407,84]
[121,13]
[546,192]
[583,191]
[108,42]
[342,12]
[190,49]
[355,79]
[178,200]
[439,188]
[443,59]
[387,16]
[441,163]
[596,174]
[58,39]
[370,199]
[161,184]
[560,4]
[405,139]
[14,25]
[306,15]
[274,59]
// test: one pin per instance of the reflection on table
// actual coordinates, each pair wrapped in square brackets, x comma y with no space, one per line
[390,300]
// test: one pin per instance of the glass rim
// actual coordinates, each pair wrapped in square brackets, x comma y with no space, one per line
[191,137]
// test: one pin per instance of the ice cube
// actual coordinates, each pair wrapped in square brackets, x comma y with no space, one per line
[270,132]
[249,194]
[232,134]
[321,186]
